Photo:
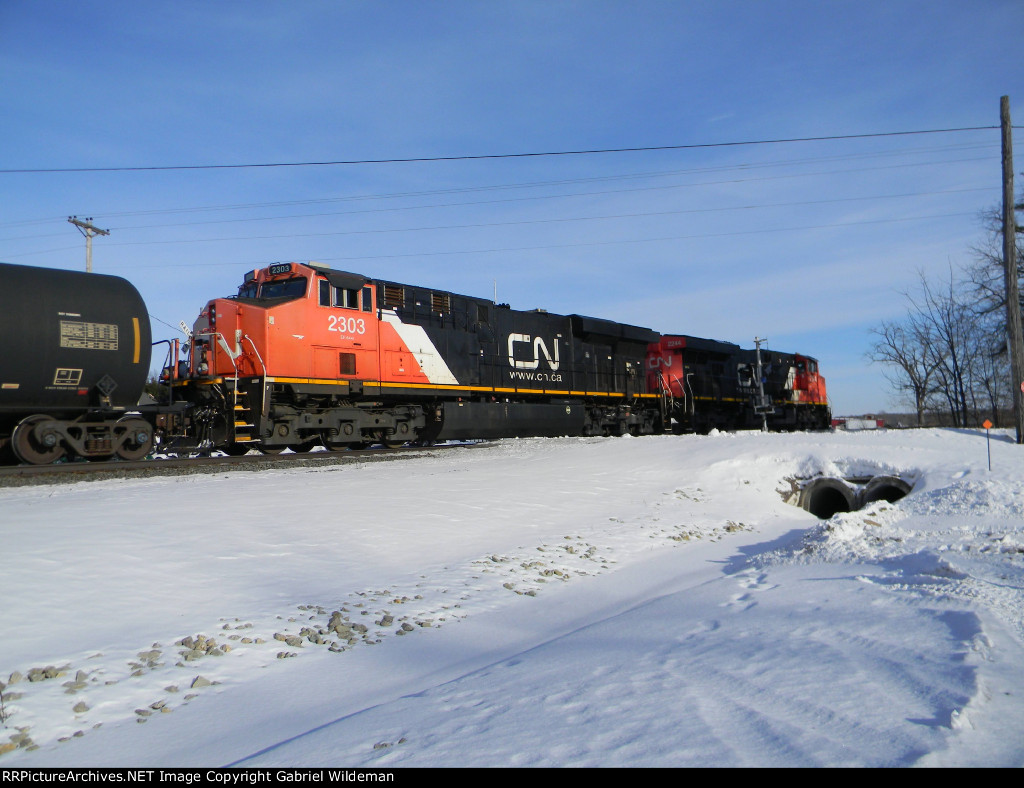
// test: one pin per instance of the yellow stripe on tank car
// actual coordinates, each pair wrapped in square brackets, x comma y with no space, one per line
[138,340]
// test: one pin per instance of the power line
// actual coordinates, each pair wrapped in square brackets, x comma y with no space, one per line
[694,236]
[479,157]
[603,192]
[470,203]
[745,167]
[559,220]
[579,244]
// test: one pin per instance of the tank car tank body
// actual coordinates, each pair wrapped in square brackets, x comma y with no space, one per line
[306,354]
[73,365]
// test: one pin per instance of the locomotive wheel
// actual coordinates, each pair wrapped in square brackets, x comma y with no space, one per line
[235,449]
[140,439]
[27,449]
[381,437]
[333,445]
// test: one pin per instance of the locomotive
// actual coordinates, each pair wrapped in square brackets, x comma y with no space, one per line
[304,355]
[718,385]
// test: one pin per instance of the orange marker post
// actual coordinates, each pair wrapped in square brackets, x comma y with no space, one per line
[988,440]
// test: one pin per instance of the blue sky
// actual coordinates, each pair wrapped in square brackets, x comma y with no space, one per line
[806,243]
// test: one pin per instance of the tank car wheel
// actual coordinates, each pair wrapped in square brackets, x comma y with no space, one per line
[27,449]
[272,449]
[140,439]
[235,449]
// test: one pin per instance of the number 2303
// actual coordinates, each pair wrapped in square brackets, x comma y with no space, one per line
[346,325]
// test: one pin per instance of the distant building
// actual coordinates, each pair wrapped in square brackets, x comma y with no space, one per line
[851,424]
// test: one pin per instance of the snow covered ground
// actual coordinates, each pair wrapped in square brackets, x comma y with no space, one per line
[572,602]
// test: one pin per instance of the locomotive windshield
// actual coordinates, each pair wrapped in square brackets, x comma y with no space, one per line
[284,288]
[248,290]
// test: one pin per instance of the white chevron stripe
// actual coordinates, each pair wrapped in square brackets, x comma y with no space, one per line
[422,349]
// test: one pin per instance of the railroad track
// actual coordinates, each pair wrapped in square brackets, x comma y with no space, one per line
[62,473]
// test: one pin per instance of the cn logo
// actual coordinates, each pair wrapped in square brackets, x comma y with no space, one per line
[539,348]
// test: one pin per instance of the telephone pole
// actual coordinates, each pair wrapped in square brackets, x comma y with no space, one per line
[763,405]
[87,229]
[1015,337]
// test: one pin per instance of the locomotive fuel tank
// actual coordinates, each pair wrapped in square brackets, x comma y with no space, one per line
[73,342]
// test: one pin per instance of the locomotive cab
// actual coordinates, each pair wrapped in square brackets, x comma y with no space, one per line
[809,384]
[290,320]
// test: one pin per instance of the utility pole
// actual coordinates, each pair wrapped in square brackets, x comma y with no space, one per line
[1014,335]
[763,405]
[87,229]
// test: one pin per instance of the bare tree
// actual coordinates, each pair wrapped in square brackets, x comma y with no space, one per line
[947,322]
[985,272]
[950,351]
[945,354]
[902,347]
[986,284]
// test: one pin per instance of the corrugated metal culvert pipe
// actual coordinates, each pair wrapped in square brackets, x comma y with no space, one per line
[825,496]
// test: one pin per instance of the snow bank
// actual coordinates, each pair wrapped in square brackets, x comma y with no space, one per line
[535,602]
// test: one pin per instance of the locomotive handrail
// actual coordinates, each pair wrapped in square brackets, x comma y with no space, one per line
[231,355]
[263,396]
[668,400]
[171,363]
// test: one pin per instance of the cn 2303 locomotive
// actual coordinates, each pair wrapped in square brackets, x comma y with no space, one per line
[305,355]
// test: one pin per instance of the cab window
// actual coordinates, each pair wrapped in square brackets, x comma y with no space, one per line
[283,288]
[346,298]
[338,297]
